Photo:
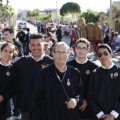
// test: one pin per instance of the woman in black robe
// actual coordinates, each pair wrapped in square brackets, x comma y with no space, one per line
[7,78]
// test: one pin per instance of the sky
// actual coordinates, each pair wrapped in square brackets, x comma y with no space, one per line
[96,5]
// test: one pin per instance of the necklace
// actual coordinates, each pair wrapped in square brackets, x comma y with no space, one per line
[59,76]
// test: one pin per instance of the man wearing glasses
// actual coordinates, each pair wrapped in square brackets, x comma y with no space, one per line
[104,87]
[58,94]
[85,67]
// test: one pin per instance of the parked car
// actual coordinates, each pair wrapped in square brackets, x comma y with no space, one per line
[23,25]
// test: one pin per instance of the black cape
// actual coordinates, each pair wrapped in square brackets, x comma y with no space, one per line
[104,90]
[49,98]
[27,72]
[85,71]
[7,85]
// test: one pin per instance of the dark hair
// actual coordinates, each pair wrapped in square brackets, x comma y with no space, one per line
[28,29]
[10,30]
[9,43]
[104,46]
[83,40]
[36,36]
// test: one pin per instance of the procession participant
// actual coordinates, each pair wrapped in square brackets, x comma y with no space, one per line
[85,66]
[58,94]
[104,87]
[7,78]
[27,70]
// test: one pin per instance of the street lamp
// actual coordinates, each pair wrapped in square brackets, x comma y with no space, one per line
[110,19]
[56,11]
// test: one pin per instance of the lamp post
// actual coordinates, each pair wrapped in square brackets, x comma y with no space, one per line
[56,11]
[110,19]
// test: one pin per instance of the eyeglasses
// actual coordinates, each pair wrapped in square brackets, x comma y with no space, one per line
[83,48]
[59,52]
[105,53]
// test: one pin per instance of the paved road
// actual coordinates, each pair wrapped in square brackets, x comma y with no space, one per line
[33,29]
[91,56]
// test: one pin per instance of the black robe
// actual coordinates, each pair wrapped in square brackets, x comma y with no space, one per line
[104,90]
[85,71]
[27,72]
[49,98]
[7,86]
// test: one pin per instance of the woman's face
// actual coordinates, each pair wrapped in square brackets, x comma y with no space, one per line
[7,54]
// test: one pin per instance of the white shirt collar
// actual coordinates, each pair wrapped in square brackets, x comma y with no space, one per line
[82,62]
[3,64]
[109,67]
[41,58]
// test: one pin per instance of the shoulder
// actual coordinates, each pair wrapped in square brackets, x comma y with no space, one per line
[73,69]
[92,64]
[47,69]
[47,57]
[71,62]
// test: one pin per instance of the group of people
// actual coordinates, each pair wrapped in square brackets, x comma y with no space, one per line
[49,87]
[113,41]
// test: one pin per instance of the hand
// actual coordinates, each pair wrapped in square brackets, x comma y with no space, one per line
[72,103]
[84,105]
[107,117]
[1,98]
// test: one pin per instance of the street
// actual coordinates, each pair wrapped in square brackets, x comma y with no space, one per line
[91,56]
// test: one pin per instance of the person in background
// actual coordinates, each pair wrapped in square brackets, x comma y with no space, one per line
[115,42]
[21,35]
[106,39]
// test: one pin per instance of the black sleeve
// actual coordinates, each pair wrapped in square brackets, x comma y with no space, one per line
[90,95]
[36,106]
[12,87]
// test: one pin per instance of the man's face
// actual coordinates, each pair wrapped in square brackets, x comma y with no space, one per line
[61,54]
[81,50]
[8,36]
[104,56]
[36,47]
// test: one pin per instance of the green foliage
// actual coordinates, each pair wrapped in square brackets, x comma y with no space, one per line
[90,16]
[69,7]
[48,17]
[35,14]
[11,10]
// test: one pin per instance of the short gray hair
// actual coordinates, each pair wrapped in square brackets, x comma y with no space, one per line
[61,43]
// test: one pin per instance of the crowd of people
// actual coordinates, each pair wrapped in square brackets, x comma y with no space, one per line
[43,84]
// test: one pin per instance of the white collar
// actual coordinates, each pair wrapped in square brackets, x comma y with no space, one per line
[41,57]
[109,67]
[82,62]
[3,64]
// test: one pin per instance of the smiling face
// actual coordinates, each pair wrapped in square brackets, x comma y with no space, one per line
[7,54]
[61,54]
[104,57]
[36,47]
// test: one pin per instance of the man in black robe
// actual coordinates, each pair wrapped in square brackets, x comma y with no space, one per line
[85,67]
[104,87]
[58,94]
[27,71]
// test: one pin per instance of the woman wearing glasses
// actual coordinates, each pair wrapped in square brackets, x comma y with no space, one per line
[7,78]
[104,87]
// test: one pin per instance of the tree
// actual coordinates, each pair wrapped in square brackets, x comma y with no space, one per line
[69,7]
[90,16]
